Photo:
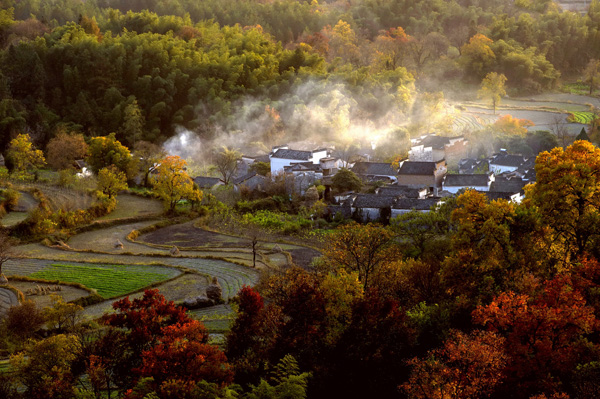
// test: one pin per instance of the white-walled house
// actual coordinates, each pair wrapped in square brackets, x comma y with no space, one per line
[504,162]
[405,205]
[283,156]
[479,182]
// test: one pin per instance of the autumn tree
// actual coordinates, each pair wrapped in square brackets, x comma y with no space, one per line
[343,43]
[492,88]
[546,329]
[44,368]
[226,162]
[567,193]
[392,48]
[359,248]
[107,150]
[477,56]
[172,183]
[509,126]
[156,338]
[111,180]
[65,148]
[468,366]
[22,156]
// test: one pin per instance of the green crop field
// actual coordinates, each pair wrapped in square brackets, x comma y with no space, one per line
[108,280]
[581,117]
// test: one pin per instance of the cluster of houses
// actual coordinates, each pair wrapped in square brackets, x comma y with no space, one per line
[417,183]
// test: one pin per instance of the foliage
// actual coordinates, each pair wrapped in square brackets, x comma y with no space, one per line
[172,183]
[346,180]
[226,162]
[107,150]
[64,149]
[567,196]
[468,366]
[492,87]
[360,248]
[22,156]
[111,180]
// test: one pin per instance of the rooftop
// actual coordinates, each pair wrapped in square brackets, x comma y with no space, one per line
[401,191]
[373,201]
[504,159]
[417,168]
[465,180]
[416,204]
[206,182]
[285,153]
[505,185]
[374,168]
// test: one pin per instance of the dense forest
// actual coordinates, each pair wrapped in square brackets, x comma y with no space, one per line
[476,298]
[98,67]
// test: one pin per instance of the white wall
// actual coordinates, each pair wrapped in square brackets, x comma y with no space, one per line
[455,189]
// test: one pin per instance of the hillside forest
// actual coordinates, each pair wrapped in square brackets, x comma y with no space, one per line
[110,108]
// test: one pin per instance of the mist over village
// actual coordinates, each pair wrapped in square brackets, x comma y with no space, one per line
[281,199]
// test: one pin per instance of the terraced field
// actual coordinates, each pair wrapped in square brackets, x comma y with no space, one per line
[109,281]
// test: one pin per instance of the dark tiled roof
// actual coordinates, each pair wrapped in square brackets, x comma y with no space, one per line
[504,185]
[292,154]
[206,182]
[417,168]
[373,201]
[399,191]
[466,180]
[507,160]
[374,168]
[243,178]
[416,204]
[435,142]
[301,166]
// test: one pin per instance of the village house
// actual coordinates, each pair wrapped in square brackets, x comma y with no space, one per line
[281,157]
[422,174]
[434,148]
[207,183]
[370,207]
[376,171]
[251,181]
[402,191]
[405,205]
[455,183]
[503,162]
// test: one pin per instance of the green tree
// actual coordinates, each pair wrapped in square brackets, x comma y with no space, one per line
[346,180]
[492,88]
[133,123]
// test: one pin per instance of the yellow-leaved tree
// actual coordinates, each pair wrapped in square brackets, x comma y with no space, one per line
[22,156]
[173,184]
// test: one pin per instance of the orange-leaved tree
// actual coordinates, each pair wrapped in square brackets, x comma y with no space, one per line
[468,366]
